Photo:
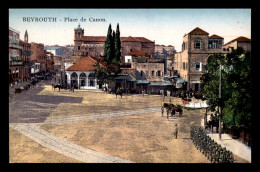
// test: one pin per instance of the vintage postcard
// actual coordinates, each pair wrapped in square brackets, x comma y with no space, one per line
[129,85]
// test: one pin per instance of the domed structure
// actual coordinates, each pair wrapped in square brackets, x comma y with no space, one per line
[79,28]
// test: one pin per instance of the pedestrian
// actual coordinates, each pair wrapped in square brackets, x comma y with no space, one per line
[175,131]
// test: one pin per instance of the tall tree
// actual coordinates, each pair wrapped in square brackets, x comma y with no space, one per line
[112,48]
[117,46]
[107,50]
[110,67]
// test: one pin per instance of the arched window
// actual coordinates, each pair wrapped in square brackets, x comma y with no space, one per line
[142,73]
[74,80]
[73,75]
[91,79]
[159,73]
[152,73]
[82,79]
[78,35]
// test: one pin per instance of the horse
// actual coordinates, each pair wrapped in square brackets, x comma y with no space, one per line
[171,109]
[120,92]
[56,86]
[179,109]
[33,83]
[17,90]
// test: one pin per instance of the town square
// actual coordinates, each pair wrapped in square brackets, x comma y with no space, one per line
[117,95]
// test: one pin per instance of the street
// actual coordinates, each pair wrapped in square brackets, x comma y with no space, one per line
[130,128]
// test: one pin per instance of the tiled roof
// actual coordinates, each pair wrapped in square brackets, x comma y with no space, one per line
[129,39]
[198,31]
[87,64]
[84,64]
[95,38]
[143,39]
[240,39]
[215,37]
[123,39]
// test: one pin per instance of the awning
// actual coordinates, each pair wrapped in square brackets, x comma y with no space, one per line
[179,80]
[160,83]
[195,82]
[125,77]
[142,82]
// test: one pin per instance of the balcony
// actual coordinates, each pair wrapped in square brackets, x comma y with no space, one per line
[14,57]
[14,43]
[27,52]
[16,63]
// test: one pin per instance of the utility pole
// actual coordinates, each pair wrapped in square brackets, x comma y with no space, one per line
[219,127]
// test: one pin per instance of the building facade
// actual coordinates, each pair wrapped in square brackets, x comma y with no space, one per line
[94,45]
[40,55]
[81,75]
[196,48]
[19,57]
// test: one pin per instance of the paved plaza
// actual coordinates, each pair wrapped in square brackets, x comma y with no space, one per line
[94,127]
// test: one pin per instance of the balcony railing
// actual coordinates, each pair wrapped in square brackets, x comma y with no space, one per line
[16,63]
[14,57]
[14,43]
[27,52]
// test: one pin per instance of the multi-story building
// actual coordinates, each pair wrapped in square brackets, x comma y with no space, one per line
[50,62]
[39,56]
[196,48]
[94,45]
[19,56]
[26,54]
[166,53]
[162,49]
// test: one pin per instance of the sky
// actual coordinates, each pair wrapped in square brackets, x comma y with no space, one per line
[164,26]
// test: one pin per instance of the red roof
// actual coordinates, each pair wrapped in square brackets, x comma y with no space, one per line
[198,31]
[143,39]
[84,64]
[240,39]
[87,64]
[215,37]
[95,38]
[123,39]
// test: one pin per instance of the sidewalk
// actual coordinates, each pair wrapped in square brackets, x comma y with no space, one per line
[233,145]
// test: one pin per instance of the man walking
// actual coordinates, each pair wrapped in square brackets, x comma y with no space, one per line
[175,131]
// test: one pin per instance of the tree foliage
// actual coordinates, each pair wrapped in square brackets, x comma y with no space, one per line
[235,100]
[117,46]
[110,62]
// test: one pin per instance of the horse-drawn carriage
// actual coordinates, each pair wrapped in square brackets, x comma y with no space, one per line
[171,109]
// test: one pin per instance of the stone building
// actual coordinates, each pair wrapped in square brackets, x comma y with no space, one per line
[241,41]
[94,45]
[196,48]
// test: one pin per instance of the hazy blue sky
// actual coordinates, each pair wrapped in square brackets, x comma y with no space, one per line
[164,26]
